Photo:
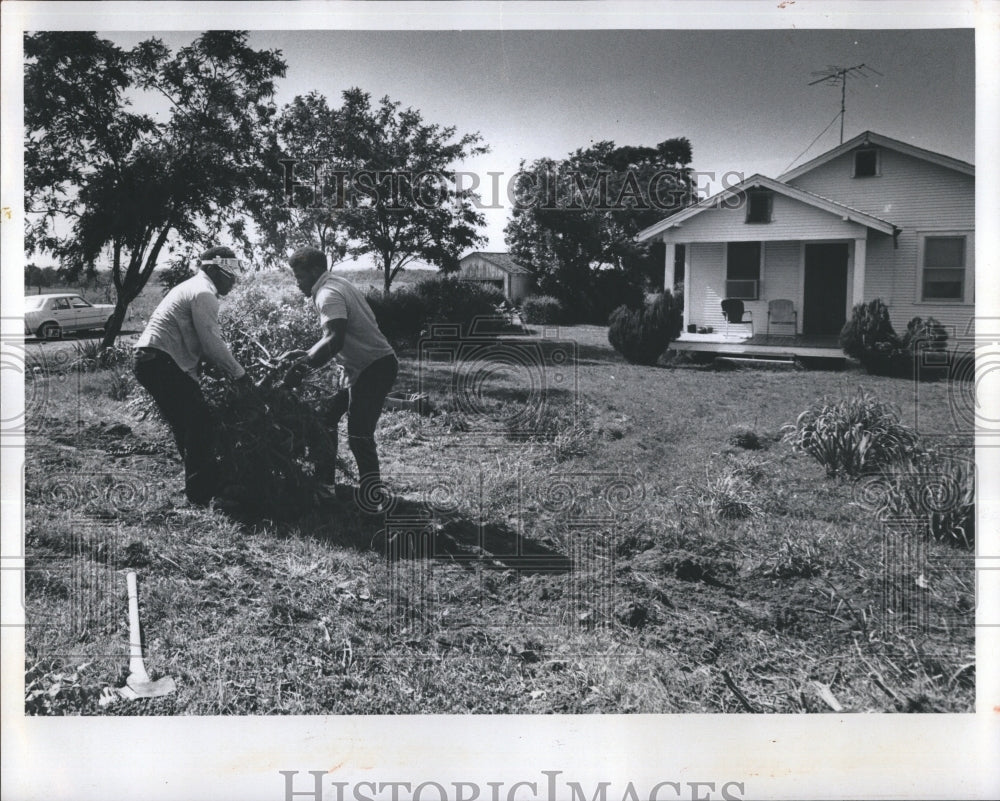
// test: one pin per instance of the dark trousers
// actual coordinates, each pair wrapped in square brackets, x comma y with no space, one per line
[363,405]
[182,405]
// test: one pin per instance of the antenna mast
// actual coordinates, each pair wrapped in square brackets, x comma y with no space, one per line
[834,75]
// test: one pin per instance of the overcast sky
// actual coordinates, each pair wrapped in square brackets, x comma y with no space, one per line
[741,97]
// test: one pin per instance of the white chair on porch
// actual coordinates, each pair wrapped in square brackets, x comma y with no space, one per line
[782,312]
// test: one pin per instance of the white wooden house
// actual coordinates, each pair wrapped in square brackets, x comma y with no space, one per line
[872,218]
[499,270]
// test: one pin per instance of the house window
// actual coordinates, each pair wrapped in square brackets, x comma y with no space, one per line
[943,268]
[759,203]
[866,162]
[743,270]
[679,259]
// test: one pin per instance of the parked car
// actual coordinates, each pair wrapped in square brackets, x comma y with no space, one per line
[50,316]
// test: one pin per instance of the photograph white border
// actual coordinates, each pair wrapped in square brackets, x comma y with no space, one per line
[781,757]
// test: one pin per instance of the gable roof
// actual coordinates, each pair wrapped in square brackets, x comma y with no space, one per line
[754,181]
[502,261]
[869,137]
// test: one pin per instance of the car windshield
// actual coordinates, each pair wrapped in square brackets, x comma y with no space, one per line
[34,302]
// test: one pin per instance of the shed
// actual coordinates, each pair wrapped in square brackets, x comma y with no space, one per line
[499,270]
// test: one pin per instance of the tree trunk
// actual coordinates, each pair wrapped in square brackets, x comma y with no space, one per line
[129,288]
[114,326]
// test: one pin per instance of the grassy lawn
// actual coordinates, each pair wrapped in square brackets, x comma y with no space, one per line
[564,540]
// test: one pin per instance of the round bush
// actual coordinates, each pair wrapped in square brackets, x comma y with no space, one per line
[542,310]
[450,300]
[642,334]
[401,315]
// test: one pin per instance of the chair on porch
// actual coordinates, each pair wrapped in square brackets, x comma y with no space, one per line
[782,312]
[734,311]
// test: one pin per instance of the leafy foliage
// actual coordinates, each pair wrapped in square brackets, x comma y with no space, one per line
[450,300]
[937,488]
[129,182]
[391,187]
[401,315]
[542,310]
[276,446]
[642,334]
[577,215]
[853,436]
[870,338]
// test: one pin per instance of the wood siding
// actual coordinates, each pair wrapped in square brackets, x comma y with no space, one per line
[780,278]
[477,269]
[791,220]
[919,197]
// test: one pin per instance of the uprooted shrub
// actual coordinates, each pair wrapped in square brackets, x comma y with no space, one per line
[275,445]
[852,436]
[642,334]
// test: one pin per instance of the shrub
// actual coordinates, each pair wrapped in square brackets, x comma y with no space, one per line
[451,300]
[401,315]
[870,338]
[120,383]
[937,488]
[267,314]
[642,334]
[853,436]
[609,290]
[925,335]
[542,310]
[89,355]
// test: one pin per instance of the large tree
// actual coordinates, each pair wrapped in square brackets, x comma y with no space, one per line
[98,174]
[577,216]
[306,147]
[388,184]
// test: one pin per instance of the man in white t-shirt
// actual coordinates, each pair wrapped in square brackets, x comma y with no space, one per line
[183,331]
[351,334]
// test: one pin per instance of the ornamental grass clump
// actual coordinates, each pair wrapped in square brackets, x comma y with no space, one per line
[936,488]
[853,436]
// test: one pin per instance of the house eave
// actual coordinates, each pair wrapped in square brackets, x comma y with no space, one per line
[824,204]
[869,137]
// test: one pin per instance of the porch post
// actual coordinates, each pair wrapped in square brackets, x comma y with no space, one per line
[668,266]
[858,290]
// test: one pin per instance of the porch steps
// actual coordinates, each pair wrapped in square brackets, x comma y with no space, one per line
[771,360]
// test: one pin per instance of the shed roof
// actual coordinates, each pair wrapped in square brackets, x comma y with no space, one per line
[502,261]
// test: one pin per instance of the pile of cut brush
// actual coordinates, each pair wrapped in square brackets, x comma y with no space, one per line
[276,446]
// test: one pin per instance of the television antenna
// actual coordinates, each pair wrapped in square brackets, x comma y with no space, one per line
[834,75]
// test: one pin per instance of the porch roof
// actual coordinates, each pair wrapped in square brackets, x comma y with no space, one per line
[755,181]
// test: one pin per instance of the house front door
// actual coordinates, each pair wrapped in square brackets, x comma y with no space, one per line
[824,301]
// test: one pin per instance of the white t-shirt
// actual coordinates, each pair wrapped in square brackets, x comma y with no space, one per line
[185,325]
[337,298]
